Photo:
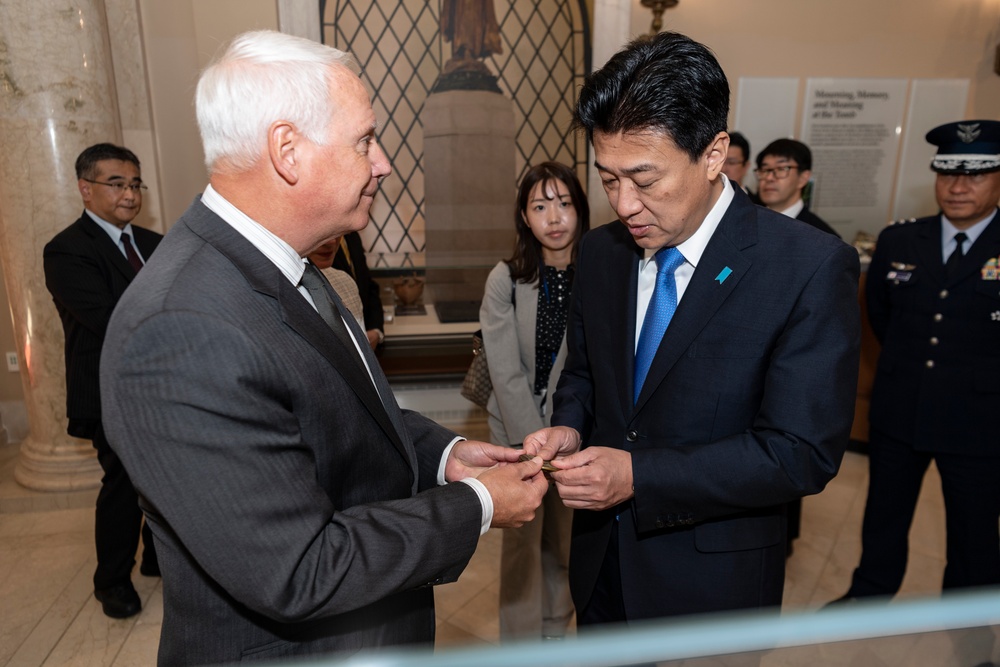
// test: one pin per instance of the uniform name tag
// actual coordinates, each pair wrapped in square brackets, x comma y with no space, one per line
[899,276]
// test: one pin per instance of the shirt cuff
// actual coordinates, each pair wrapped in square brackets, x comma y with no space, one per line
[485,500]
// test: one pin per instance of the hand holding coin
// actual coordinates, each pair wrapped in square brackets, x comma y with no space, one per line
[546,465]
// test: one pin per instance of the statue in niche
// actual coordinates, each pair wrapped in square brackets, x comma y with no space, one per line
[471,27]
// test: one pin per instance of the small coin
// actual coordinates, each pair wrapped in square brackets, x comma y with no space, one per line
[546,465]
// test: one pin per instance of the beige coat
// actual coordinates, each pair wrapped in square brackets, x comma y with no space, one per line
[509,339]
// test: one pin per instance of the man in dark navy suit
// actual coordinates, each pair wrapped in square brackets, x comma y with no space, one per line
[88,265]
[713,356]
[933,294]
[783,170]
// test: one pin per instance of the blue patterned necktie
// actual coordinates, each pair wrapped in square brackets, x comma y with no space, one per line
[661,309]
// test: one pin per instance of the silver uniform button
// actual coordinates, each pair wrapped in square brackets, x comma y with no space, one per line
[930,363]
[934,340]
[938,317]
[944,294]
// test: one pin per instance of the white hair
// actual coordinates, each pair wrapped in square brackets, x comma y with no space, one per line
[262,77]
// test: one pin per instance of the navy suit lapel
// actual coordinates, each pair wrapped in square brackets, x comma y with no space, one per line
[296,313]
[621,316]
[705,294]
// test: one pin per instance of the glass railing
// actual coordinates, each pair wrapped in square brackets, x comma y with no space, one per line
[960,629]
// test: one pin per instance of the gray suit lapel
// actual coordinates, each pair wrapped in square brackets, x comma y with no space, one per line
[706,292]
[295,312]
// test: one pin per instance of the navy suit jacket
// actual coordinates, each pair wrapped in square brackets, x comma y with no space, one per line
[86,274]
[810,218]
[748,404]
[920,315]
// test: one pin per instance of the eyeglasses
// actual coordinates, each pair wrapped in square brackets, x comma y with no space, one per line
[778,172]
[734,162]
[120,186]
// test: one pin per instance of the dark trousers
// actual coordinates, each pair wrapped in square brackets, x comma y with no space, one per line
[118,521]
[971,489]
[606,603]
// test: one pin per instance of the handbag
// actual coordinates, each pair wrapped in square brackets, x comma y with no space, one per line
[477,386]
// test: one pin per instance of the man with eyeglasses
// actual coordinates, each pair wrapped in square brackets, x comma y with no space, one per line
[88,266]
[783,171]
[933,294]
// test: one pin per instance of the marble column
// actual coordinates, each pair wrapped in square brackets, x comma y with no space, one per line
[57,96]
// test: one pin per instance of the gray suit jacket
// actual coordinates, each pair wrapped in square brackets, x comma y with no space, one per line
[509,338]
[291,517]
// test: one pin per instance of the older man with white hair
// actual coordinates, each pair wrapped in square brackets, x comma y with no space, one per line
[296,508]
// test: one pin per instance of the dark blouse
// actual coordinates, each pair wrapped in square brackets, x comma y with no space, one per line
[550,325]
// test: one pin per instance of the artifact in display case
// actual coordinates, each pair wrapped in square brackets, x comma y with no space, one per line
[408,292]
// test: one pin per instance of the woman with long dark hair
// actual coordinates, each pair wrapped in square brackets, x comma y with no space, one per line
[523,318]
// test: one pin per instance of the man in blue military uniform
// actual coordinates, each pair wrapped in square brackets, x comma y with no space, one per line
[933,293]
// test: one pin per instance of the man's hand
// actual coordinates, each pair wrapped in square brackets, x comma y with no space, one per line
[373,337]
[470,458]
[517,491]
[594,479]
[552,442]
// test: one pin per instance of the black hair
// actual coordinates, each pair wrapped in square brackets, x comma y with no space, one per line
[669,83]
[738,140]
[790,150]
[86,162]
[525,264]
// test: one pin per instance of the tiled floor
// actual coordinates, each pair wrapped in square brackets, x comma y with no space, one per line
[48,615]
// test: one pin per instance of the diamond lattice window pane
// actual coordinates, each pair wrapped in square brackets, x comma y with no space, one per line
[400,49]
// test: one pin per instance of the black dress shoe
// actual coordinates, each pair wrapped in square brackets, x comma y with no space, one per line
[119,601]
[149,569]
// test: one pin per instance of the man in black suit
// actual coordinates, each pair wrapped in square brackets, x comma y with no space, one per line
[296,508]
[783,171]
[933,293]
[682,435]
[88,265]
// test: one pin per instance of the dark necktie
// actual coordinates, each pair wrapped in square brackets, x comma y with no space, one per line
[317,284]
[951,266]
[661,309]
[337,317]
[131,254]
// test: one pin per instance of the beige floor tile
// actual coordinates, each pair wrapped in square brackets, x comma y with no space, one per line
[139,649]
[48,615]
[452,636]
[479,616]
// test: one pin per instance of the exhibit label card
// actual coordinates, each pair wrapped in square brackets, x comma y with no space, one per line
[853,127]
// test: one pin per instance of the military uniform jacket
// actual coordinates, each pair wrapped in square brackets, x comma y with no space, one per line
[937,384]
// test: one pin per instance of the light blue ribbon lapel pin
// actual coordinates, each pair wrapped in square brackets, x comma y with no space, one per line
[723,274]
